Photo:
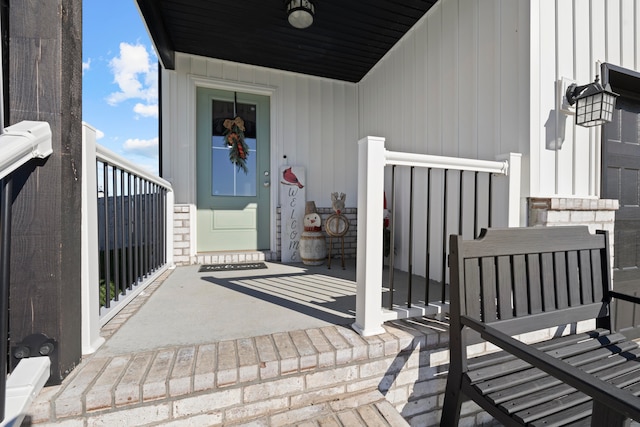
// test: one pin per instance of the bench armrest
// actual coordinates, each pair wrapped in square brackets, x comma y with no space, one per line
[626,297]
[608,395]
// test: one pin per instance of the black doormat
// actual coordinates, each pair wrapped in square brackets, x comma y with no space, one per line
[232,267]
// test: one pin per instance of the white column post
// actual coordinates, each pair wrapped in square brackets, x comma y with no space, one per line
[515,202]
[371,162]
[90,296]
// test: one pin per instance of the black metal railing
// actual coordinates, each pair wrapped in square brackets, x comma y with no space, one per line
[132,223]
[450,202]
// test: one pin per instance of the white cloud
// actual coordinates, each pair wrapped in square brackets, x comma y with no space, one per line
[146,110]
[137,78]
[99,134]
[86,65]
[142,147]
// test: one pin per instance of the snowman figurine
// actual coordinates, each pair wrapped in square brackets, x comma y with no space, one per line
[312,222]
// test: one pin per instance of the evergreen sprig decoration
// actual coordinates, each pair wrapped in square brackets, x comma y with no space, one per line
[234,138]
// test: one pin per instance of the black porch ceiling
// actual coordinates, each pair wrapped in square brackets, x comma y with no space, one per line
[347,38]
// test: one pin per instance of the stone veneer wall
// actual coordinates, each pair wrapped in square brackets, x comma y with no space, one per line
[597,214]
[350,240]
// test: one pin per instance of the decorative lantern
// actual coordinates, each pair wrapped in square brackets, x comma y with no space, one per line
[594,103]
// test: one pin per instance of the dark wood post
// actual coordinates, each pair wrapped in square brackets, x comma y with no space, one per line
[44,54]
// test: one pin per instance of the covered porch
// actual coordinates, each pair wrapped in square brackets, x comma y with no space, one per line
[278,350]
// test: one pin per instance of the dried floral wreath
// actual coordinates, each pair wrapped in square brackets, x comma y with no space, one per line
[234,138]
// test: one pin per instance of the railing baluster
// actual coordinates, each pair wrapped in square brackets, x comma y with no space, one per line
[490,207]
[444,234]
[6,190]
[410,254]
[123,260]
[476,208]
[107,237]
[130,231]
[460,202]
[114,254]
[392,236]
[427,251]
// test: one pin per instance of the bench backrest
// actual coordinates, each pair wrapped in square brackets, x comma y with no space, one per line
[525,279]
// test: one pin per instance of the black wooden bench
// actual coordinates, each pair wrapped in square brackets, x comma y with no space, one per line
[512,281]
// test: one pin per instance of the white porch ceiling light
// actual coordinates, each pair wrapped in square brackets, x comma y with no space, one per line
[300,13]
[594,103]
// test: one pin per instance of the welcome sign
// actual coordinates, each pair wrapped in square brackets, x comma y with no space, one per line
[293,197]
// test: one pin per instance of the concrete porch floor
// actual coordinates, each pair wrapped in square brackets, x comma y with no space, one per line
[268,347]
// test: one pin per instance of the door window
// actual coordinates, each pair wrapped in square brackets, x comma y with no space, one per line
[226,178]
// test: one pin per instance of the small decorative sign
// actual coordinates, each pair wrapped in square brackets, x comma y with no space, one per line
[292,210]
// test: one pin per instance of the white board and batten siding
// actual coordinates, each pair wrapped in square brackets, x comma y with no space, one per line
[314,122]
[455,85]
[480,79]
[568,38]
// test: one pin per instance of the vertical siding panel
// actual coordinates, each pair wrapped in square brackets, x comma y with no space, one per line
[468,86]
[301,125]
[598,34]
[636,38]
[580,137]
[487,92]
[288,129]
[434,88]
[564,25]
[546,94]
[421,94]
[449,75]
[612,10]
[326,116]
[351,126]
[408,84]
[314,150]
[338,142]
[628,34]
[509,88]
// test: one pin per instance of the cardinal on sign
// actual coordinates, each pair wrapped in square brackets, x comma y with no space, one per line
[289,178]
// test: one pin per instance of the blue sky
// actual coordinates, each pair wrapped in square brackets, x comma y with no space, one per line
[119,80]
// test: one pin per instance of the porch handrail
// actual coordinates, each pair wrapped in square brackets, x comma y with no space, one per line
[108,156]
[442,162]
[92,317]
[372,158]
[22,142]
[19,144]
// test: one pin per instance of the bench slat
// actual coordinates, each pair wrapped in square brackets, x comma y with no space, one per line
[570,415]
[514,366]
[598,364]
[489,293]
[586,280]
[505,284]
[560,274]
[535,286]
[548,284]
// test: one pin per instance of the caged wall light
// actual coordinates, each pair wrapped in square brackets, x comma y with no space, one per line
[300,13]
[594,103]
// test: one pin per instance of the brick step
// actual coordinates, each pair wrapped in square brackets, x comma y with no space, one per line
[328,373]
[346,410]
